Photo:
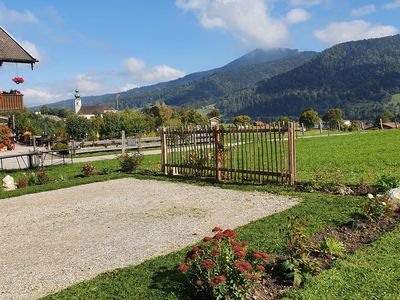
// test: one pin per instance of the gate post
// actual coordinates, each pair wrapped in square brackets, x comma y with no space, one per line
[218,158]
[292,153]
[164,156]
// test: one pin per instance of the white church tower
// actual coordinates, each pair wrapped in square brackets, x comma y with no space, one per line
[78,102]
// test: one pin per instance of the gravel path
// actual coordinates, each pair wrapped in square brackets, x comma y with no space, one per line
[54,239]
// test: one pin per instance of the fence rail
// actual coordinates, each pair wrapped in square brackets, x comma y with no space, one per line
[256,154]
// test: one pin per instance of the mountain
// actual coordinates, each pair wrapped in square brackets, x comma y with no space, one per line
[359,77]
[206,87]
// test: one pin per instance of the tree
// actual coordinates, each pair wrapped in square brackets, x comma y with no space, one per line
[135,122]
[309,118]
[112,125]
[242,120]
[334,118]
[190,116]
[78,127]
[214,113]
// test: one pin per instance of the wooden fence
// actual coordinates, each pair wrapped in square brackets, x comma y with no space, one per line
[256,154]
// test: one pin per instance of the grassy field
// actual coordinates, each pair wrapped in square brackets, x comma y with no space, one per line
[350,158]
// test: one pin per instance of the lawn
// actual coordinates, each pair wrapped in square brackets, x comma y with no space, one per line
[351,158]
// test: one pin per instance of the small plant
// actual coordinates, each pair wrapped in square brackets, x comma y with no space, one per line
[32,178]
[223,268]
[106,171]
[386,183]
[22,183]
[328,180]
[88,169]
[375,208]
[332,246]
[42,177]
[297,264]
[130,162]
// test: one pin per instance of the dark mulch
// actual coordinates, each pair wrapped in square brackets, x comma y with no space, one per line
[352,235]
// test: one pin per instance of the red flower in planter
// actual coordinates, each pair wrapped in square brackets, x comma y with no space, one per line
[183,268]
[18,80]
[208,264]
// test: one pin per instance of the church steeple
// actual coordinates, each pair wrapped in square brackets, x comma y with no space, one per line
[78,102]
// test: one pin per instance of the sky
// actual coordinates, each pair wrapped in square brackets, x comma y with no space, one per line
[107,46]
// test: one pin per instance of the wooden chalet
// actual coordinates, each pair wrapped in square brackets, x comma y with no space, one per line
[12,52]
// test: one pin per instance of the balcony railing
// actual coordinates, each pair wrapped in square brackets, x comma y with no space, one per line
[10,102]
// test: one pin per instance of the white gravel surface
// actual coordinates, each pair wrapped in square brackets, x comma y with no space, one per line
[54,239]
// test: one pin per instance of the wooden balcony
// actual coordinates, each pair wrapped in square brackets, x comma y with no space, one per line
[9,102]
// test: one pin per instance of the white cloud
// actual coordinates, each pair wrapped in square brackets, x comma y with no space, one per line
[88,85]
[355,30]
[140,72]
[128,86]
[305,2]
[32,49]
[249,20]
[13,16]
[392,5]
[363,11]
[297,15]
[38,95]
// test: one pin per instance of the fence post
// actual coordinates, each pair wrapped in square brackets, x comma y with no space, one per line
[164,157]
[292,154]
[381,123]
[123,144]
[218,158]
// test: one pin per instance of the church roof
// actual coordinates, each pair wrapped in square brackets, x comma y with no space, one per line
[95,109]
[12,51]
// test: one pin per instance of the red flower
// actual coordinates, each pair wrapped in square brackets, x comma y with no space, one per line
[199,282]
[256,277]
[240,254]
[260,268]
[248,276]
[217,280]
[207,239]
[243,266]
[216,243]
[265,256]
[237,249]
[245,244]
[219,236]
[215,229]
[236,244]
[215,252]
[195,249]
[230,233]
[183,268]
[208,264]
[257,254]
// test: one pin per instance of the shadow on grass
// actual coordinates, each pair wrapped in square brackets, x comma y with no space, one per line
[170,282]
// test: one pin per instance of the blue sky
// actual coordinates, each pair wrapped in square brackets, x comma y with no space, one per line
[109,46]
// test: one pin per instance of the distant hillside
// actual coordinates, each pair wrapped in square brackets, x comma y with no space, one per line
[206,87]
[358,77]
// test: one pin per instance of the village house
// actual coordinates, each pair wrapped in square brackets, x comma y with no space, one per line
[89,111]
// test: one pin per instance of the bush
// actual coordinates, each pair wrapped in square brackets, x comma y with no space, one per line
[106,171]
[42,177]
[130,162]
[88,169]
[222,267]
[375,208]
[386,183]
[60,146]
[22,183]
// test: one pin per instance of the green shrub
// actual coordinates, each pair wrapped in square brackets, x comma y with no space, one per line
[42,177]
[106,171]
[130,162]
[375,208]
[332,246]
[88,169]
[386,183]
[60,146]
[223,268]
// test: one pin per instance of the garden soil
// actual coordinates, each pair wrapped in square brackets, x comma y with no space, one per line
[51,240]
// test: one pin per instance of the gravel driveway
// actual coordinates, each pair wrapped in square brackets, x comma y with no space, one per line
[54,239]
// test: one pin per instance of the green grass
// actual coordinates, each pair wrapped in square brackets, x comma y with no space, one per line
[157,279]
[371,273]
[357,156]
